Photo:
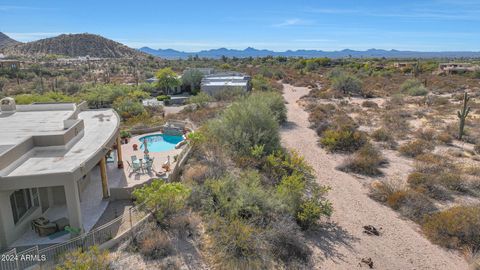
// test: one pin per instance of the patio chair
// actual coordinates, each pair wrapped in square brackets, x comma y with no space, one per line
[149,165]
[137,166]
[134,158]
[44,227]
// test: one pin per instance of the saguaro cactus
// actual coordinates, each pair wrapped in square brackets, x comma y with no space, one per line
[462,115]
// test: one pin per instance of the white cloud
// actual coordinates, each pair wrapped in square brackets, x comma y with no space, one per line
[293,22]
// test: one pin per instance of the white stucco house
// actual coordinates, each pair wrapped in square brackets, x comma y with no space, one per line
[47,155]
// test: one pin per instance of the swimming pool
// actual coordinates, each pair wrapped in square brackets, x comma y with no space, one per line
[160,142]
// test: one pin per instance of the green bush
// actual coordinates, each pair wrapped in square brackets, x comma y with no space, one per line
[162,199]
[311,210]
[246,124]
[92,258]
[273,101]
[413,87]
[456,227]
[163,97]
[201,99]
[128,107]
[344,140]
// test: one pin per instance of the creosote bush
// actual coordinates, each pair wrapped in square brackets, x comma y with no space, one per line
[343,140]
[416,148]
[93,258]
[366,161]
[456,227]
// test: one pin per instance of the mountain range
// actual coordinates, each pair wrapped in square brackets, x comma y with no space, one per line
[252,52]
[69,45]
[74,45]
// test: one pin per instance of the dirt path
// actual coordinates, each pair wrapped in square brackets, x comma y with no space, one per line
[342,243]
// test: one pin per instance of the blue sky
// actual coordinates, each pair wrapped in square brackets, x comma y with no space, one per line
[423,25]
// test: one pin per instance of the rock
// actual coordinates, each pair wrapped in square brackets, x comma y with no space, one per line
[368,261]
[370,230]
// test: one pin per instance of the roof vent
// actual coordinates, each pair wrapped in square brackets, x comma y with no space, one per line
[7,105]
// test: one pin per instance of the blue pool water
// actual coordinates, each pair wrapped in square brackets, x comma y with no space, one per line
[160,142]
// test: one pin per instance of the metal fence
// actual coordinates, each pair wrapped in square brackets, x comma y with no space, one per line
[13,260]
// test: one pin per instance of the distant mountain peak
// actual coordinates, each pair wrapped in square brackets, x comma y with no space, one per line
[6,41]
[74,45]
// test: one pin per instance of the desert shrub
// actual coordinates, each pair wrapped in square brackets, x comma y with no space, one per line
[415,148]
[184,225]
[287,242]
[381,135]
[347,84]
[162,199]
[163,97]
[155,244]
[445,138]
[366,161]
[369,104]
[426,134]
[274,101]
[246,124]
[237,243]
[197,173]
[396,122]
[476,148]
[281,164]
[343,140]
[201,99]
[310,212]
[411,204]
[455,227]
[413,87]
[128,107]
[382,190]
[93,258]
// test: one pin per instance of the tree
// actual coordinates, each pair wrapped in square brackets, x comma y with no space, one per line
[192,78]
[167,79]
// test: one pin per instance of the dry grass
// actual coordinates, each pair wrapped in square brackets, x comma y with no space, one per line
[366,161]
[416,148]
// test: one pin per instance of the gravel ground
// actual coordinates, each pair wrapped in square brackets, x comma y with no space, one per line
[341,244]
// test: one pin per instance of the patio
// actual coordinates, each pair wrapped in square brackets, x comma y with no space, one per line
[130,178]
[92,207]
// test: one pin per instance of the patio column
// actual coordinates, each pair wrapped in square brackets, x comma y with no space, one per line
[119,153]
[103,174]
[73,204]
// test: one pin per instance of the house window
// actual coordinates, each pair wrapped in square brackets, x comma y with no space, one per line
[23,200]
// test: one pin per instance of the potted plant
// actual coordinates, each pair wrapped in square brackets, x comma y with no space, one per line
[125,136]
[135,147]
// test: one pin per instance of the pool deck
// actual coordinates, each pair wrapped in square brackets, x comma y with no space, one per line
[128,177]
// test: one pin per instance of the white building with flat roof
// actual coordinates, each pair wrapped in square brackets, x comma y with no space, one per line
[47,152]
[227,81]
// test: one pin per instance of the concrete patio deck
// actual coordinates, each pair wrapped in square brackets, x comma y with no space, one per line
[129,178]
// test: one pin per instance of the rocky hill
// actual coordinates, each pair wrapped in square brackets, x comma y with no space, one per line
[6,41]
[74,45]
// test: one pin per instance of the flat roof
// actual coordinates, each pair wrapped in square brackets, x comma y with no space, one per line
[99,127]
[21,125]
[237,83]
